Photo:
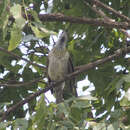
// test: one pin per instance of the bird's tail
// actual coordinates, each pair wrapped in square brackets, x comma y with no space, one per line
[58,91]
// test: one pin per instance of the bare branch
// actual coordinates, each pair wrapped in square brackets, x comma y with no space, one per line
[84,20]
[18,57]
[79,70]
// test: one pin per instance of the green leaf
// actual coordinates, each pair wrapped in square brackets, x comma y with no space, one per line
[68,124]
[17,27]
[87,97]
[15,38]
[127,78]
[126,99]
[42,85]
[76,114]
[17,14]
[37,32]
[42,32]
[127,94]
[85,87]
[62,109]
[4,15]
[28,38]
[104,126]
[41,113]
[115,84]
[125,102]
[3,5]
[81,103]
[21,124]
[5,124]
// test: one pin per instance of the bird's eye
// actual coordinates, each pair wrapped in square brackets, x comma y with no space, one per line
[62,39]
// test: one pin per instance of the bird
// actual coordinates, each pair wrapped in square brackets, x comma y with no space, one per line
[59,65]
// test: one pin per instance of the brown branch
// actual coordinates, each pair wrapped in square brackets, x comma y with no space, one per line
[80,20]
[79,70]
[118,53]
[98,12]
[18,57]
[19,84]
[21,103]
[106,18]
[102,5]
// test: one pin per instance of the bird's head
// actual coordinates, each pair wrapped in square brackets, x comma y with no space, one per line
[61,43]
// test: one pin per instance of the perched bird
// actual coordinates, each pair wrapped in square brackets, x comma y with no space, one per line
[59,65]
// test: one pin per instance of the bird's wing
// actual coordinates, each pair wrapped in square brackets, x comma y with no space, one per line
[73,81]
[71,84]
[49,80]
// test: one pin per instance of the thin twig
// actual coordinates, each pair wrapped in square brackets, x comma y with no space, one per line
[79,70]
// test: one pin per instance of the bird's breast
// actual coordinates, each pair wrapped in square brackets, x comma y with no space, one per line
[58,67]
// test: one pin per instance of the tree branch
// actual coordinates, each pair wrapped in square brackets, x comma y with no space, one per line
[18,57]
[106,18]
[79,70]
[80,20]
[19,84]
[102,5]
[21,103]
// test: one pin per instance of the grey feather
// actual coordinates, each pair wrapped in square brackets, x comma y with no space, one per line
[59,66]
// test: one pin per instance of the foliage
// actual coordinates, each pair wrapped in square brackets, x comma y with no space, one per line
[23,33]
